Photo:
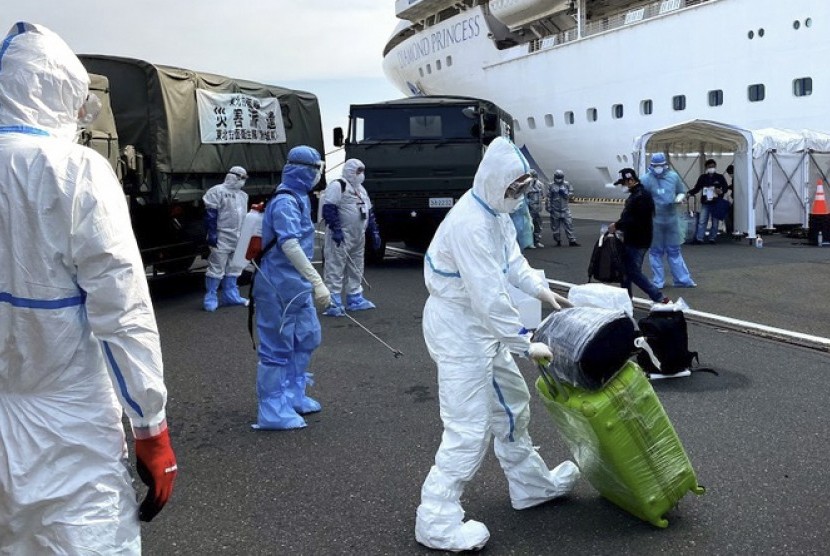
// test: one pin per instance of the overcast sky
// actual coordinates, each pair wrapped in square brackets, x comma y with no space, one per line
[332,48]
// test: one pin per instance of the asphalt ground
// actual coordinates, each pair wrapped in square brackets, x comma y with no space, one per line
[350,482]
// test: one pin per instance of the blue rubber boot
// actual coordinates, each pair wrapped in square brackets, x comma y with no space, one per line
[274,411]
[335,310]
[356,302]
[230,292]
[301,403]
[211,300]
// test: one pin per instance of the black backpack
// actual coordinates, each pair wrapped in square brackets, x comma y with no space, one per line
[606,263]
[668,338]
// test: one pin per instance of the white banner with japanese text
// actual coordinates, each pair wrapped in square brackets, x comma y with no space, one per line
[239,118]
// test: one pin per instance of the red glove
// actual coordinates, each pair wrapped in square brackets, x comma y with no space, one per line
[156,465]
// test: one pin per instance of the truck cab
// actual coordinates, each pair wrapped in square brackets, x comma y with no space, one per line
[421,155]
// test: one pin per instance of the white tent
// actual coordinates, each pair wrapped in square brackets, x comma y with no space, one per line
[775,170]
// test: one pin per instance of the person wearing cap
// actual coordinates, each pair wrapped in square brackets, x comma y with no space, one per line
[636,225]
[667,190]
[225,208]
[712,186]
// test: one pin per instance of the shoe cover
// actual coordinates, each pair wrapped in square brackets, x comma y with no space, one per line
[230,292]
[274,410]
[457,537]
[560,482]
[211,300]
[356,302]
[301,403]
[336,310]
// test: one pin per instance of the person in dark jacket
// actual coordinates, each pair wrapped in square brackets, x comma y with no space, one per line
[636,225]
[713,187]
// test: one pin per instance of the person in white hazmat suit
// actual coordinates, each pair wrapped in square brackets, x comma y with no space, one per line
[472,330]
[79,344]
[347,211]
[225,208]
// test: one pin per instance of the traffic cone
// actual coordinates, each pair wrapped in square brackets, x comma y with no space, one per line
[819,202]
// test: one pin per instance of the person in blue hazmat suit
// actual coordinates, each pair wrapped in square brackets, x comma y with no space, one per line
[472,331]
[667,190]
[348,213]
[286,290]
[225,208]
[79,346]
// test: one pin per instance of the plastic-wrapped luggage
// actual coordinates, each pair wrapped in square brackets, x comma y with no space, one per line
[589,344]
[623,442]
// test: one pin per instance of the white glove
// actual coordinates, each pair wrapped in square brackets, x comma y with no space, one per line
[680,198]
[294,253]
[553,299]
[540,353]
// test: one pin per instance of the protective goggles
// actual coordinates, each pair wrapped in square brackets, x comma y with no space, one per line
[240,176]
[519,186]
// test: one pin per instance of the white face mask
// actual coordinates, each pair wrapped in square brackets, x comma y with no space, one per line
[710,170]
[358,179]
[658,170]
[317,175]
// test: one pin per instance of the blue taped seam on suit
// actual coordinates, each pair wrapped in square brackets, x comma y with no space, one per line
[506,409]
[119,376]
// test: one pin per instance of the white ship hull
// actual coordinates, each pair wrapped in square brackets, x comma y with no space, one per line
[690,51]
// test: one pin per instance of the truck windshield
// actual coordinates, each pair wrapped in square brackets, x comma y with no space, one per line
[417,124]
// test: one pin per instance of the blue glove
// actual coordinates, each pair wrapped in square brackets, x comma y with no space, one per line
[372,225]
[211,217]
[332,217]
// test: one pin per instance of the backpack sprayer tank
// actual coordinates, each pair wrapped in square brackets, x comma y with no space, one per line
[250,238]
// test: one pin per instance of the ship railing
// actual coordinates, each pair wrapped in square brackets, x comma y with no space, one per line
[614,21]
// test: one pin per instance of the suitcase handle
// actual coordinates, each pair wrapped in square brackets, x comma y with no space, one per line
[550,381]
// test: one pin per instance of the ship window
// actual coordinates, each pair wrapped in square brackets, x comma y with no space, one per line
[617,111]
[421,71]
[715,97]
[516,125]
[760,32]
[808,22]
[449,61]
[756,93]
[796,24]
[549,120]
[751,35]
[803,86]
[678,102]
[429,68]
[569,118]
[437,64]
[591,114]
[531,122]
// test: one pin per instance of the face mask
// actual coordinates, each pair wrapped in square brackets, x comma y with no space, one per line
[317,175]
[359,179]
[658,170]
[710,170]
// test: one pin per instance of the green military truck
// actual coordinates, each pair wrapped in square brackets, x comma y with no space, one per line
[421,154]
[172,133]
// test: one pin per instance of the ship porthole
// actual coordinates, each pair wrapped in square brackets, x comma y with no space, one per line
[808,22]
[751,35]
[796,24]
[760,32]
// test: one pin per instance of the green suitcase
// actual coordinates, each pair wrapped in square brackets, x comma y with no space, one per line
[623,442]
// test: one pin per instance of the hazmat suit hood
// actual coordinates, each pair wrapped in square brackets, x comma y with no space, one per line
[303,169]
[500,166]
[350,168]
[235,178]
[42,83]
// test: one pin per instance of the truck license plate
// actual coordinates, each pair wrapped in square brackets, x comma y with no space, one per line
[440,202]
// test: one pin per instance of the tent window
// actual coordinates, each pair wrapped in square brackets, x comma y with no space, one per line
[716,97]
[617,111]
[803,86]
[646,107]
[569,118]
[549,120]
[678,102]
[591,114]
[756,93]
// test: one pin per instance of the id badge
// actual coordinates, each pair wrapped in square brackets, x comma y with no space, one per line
[363,214]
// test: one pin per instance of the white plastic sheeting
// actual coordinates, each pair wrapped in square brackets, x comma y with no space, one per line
[775,169]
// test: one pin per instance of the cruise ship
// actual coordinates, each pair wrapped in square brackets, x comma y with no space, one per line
[584,78]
